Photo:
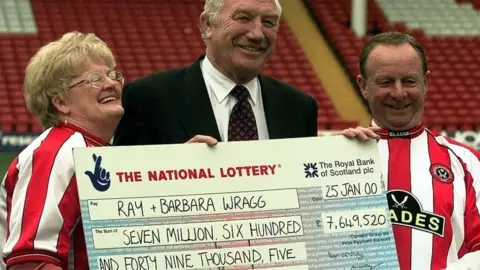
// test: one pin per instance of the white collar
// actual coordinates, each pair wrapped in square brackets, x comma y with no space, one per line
[222,85]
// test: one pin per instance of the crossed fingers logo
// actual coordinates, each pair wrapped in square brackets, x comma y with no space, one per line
[99,177]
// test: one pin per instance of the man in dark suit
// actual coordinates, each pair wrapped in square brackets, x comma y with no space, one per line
[222,96]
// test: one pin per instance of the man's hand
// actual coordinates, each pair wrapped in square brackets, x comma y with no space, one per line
[361,133]
[210,141]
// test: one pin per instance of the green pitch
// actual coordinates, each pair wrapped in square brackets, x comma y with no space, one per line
[5,160]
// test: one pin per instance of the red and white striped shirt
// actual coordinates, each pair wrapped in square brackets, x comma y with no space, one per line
[39,205]
[433,187]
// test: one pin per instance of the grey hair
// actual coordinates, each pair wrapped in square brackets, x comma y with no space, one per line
[212,9]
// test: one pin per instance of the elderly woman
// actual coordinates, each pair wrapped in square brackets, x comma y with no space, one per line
[72,88]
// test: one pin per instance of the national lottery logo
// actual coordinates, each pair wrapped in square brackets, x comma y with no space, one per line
[338,168]
[99,177]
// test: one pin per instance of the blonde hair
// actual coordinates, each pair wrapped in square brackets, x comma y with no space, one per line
[51,70]
[212,9]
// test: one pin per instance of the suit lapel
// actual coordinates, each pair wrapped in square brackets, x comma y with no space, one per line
[274,111]
[197,117]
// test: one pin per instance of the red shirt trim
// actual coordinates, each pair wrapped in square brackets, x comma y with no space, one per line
[406,134]
[32,257]
[97,141]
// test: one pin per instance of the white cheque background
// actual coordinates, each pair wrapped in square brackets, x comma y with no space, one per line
[317,194]
[291,154]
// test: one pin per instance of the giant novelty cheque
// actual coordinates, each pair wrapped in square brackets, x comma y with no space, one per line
[312,203]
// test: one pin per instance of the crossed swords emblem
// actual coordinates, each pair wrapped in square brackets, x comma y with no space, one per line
[442,173]
[397,204]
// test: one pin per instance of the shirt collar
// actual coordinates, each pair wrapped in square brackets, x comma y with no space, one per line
[222,85]
[390,134]
[95,140]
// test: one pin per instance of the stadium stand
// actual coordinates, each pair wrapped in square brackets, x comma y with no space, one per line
[453,55]
[146,36]
[440,18]
[16,17]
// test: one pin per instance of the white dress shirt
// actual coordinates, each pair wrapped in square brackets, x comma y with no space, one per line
[219,87]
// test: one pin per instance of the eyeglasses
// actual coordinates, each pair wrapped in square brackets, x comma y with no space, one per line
[97,79]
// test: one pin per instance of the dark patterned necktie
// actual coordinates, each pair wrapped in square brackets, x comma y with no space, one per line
[242,125]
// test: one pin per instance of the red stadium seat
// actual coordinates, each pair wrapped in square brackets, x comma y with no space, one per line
[7,122]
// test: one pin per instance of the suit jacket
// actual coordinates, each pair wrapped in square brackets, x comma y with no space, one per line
[173,106]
